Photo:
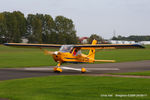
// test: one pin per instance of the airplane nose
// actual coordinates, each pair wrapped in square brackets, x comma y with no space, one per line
[56,52]
[56,56]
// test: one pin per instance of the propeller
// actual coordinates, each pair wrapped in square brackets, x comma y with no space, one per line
[46,52]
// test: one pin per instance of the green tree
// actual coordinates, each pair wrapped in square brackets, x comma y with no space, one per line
[37,28]
[3,28]
[96,37]
[12,30]
[15,24]
[49,33]
[65,30]
[21,22]
[34,28]
[132,38]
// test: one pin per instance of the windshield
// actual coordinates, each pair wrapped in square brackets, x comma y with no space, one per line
[66,48]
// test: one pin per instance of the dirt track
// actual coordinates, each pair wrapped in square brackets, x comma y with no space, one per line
[15,73]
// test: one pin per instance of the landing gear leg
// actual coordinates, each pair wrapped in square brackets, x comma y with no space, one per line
[58,69]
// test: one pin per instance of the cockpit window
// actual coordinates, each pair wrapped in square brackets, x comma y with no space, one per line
[76,52]
[66,48]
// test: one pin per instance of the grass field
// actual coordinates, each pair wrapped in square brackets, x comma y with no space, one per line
[144,73]
[72,87]
[23,57]
[28,57]
[75,88]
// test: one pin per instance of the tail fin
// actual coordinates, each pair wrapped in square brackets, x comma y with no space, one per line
[92,50]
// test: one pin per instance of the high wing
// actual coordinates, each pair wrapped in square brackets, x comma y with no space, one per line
[109,46]
[32,45]
[88,46]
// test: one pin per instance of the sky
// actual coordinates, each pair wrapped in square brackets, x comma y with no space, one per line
[103,17]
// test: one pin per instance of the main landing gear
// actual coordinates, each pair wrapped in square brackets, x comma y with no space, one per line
[83,70]
[58,69]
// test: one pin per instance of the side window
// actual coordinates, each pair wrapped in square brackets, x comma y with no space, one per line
[79,52]
[76,52]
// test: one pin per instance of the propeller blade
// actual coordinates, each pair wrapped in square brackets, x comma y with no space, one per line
[46,52]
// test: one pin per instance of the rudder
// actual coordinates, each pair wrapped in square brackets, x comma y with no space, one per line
[92,50]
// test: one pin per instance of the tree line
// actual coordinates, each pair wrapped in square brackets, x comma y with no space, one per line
[132,38]
[37,28]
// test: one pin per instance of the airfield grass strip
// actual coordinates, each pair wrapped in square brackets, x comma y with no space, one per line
[33,57]
[121,75]
[75,88]
[144,73]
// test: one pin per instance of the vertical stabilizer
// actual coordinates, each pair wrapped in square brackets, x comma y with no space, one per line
[92,50]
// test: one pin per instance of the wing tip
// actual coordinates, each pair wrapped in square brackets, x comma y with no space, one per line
[5,44]
[139,45]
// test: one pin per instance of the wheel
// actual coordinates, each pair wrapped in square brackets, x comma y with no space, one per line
[55,69]
[59,70]
[83,70]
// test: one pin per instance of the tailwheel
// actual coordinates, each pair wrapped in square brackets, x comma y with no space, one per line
[83,70]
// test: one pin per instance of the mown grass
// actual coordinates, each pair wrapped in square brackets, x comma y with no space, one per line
[144,73]
[70,87]
[23,57]
[33,57]
[74,88]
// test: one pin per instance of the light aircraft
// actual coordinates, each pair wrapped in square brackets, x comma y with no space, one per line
[72,53]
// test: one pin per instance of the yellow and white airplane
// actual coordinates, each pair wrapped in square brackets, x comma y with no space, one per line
[72,53]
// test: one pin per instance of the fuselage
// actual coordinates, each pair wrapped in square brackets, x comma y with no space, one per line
[69,54]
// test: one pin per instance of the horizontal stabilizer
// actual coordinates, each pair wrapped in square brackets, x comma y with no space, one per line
[105,60]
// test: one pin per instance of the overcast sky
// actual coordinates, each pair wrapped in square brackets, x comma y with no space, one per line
[126,17]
